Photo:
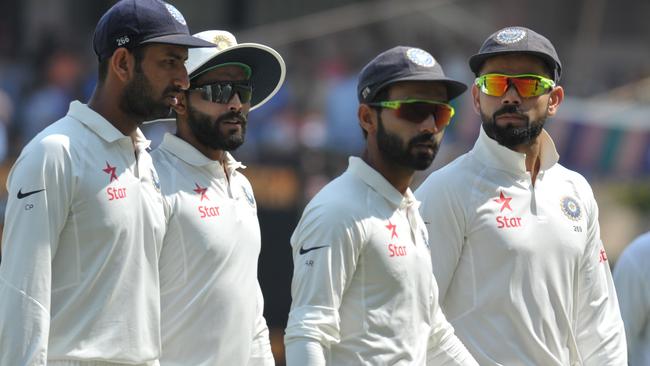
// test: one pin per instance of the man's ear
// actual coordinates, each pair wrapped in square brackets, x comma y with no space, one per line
[122,64]
[181,105]
[476,102]
[555,99]
[367,119]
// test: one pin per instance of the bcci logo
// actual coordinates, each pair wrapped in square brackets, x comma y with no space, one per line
[420,57]
[571,208]
[510,35]
[175,13]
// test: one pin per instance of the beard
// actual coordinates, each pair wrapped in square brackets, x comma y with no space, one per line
[509,135]
[392,148]
[208,131]
[139,102]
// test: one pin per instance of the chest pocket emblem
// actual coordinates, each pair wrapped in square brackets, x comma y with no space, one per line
[571,208]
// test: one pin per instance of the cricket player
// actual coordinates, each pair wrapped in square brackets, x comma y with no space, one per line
[363,292]
[84,221]
[515,241]
[211,301]
[632,280]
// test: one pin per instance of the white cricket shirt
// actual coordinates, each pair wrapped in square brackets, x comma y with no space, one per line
[522,272]
[211,300]
[83,229]
[362,285]
[632,280]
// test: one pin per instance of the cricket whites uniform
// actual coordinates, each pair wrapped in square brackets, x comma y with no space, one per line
[211,299]
[521,269]
[362,289]
[632,280]
[83,230]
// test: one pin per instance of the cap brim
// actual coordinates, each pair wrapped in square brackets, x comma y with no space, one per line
[180,40]
[268,69]
[454,88]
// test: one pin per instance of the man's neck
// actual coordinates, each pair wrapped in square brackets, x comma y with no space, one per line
[398,176]
[108,107]
[532,151]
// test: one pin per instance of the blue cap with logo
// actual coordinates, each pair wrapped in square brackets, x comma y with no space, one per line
[403,64]
[132,23]
[517,40]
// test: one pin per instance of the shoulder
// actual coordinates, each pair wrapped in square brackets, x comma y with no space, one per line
[453,178]
[638,251]
[345,199]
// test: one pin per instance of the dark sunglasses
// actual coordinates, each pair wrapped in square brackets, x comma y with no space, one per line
[417,110]
[222,91]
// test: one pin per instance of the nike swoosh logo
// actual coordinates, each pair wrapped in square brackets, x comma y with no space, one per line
[22,195]
[303,251]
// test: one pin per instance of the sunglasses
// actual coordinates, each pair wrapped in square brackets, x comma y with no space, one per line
[527,85]
[223,91]
[417,110]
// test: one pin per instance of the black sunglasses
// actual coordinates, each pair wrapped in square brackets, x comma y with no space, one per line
[222,91]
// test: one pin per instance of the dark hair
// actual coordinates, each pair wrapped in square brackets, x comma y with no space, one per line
[102,71]
[380,96]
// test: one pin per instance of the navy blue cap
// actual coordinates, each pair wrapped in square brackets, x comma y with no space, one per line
[403,64]
[517,40]
[132,23]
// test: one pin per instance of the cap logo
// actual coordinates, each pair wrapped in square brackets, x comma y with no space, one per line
[420,57]
[510,35]
[365,92]
[175,13]
[224,41]
[122,41]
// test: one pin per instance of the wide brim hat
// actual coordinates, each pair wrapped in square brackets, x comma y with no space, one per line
[267,66]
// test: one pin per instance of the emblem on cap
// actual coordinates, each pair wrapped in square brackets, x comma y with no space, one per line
[510,35]
[420,57]
[175,13]
[571,208]
[224,40]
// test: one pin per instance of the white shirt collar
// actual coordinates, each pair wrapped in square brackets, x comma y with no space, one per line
[379,184]
[102,127]
[188,153]
[497,156]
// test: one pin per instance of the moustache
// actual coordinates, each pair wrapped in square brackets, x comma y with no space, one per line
[423,137]
[509,109]
[232,116]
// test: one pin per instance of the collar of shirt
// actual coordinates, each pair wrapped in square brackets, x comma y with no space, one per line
[104,128]
[377,182]
[189,154]
[497,156]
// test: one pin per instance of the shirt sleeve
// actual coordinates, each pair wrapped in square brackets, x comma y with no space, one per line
[40,189]
[326,246]
[600,332]
[633,292]
[444,348]
[445,221]
[261,353]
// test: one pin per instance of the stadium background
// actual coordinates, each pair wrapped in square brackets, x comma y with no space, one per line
[301,138]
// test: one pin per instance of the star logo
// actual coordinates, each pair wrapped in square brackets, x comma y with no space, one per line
[392,228]
[110,170]
[202,191]
[504,201]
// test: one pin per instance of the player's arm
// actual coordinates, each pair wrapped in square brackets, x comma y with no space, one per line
[261,353]
[444,348]
[600,332]
[633,292]
[39,189]
[445,220]
[326,246]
